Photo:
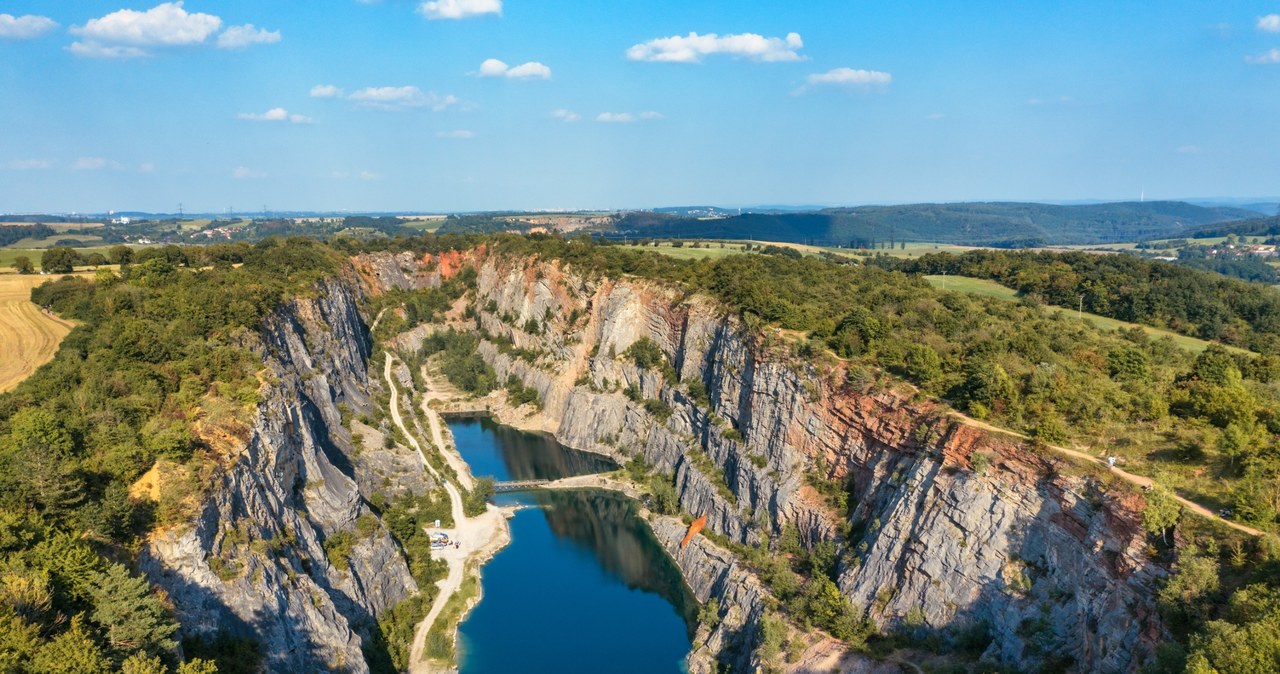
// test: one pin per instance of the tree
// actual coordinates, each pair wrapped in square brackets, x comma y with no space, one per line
[95,260]
[1161,513]
[130,614]
[23,265]
[120,254]
[61,260]
[72,652]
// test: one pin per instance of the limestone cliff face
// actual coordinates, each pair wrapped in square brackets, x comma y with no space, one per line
[1053,563]
[253,561]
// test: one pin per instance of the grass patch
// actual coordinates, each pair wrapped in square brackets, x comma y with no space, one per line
[985,288]
[440,636]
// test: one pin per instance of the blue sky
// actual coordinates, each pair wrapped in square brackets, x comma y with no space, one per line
[492,104]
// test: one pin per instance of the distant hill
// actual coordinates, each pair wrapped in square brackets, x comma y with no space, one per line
[986,224]
[1250,227]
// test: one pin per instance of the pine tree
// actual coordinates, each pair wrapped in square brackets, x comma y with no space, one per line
[72,652]
[132,617]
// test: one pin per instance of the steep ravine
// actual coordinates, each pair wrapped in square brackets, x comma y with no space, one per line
[252,563]
[1053,564]
[1048,559]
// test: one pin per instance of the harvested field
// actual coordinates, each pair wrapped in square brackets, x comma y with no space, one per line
[28,336]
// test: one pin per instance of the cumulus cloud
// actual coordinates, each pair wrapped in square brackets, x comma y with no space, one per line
[28,164]
[239,37]
[325,91]
[1266,57]
[397,98]
[460,133]
[275,115]
[166,24]
[245,173]
[95,164]
[25,27]
[129,33]
[524,71]
[846,77]
[1269,23]
[626,117]
[459,9]
[565,115]
[272,115]
[693,47]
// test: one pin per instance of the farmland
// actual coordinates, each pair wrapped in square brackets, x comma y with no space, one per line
[28,336]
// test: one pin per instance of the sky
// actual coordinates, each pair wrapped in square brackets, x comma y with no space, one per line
[467,105]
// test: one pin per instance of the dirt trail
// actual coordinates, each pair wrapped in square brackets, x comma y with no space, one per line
[1123,474]
[476,537]
[28,336]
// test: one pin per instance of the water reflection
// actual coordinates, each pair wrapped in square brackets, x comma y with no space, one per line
[609,526]
[509,454]
[584,586]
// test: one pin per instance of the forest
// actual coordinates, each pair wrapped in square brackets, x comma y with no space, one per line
[973,224]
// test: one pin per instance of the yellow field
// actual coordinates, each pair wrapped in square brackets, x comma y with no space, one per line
[28,336]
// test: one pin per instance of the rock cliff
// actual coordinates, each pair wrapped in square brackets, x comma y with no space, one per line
[947,527]
[253,561]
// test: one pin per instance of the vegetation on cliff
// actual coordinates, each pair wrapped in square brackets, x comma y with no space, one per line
[161,350]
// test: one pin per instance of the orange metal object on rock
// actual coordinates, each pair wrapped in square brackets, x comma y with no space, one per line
[693,530]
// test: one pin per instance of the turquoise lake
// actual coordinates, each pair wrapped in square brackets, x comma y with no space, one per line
[583,586]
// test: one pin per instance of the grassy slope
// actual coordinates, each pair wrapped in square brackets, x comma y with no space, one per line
[987,288]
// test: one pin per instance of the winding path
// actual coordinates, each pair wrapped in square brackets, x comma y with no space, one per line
[1118,472]
[476,536]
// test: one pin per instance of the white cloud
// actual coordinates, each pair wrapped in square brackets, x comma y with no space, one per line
[25,27]
[95,164]
[272,115]
[530,70]
[325,91]
[95,50]
[146,168]
[128,33]
[28,164]
[691,48]
[1269,23]
[460,133]
[275,115]
[239,37]
[1272,56]
[935,116]
[407,96]
[626,117]
[848,78]
[368,175]
[565,115]
[245,173]
[524,71]
[1188,149]
[615,117]
[397,98]
[459,9]
[166,24]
